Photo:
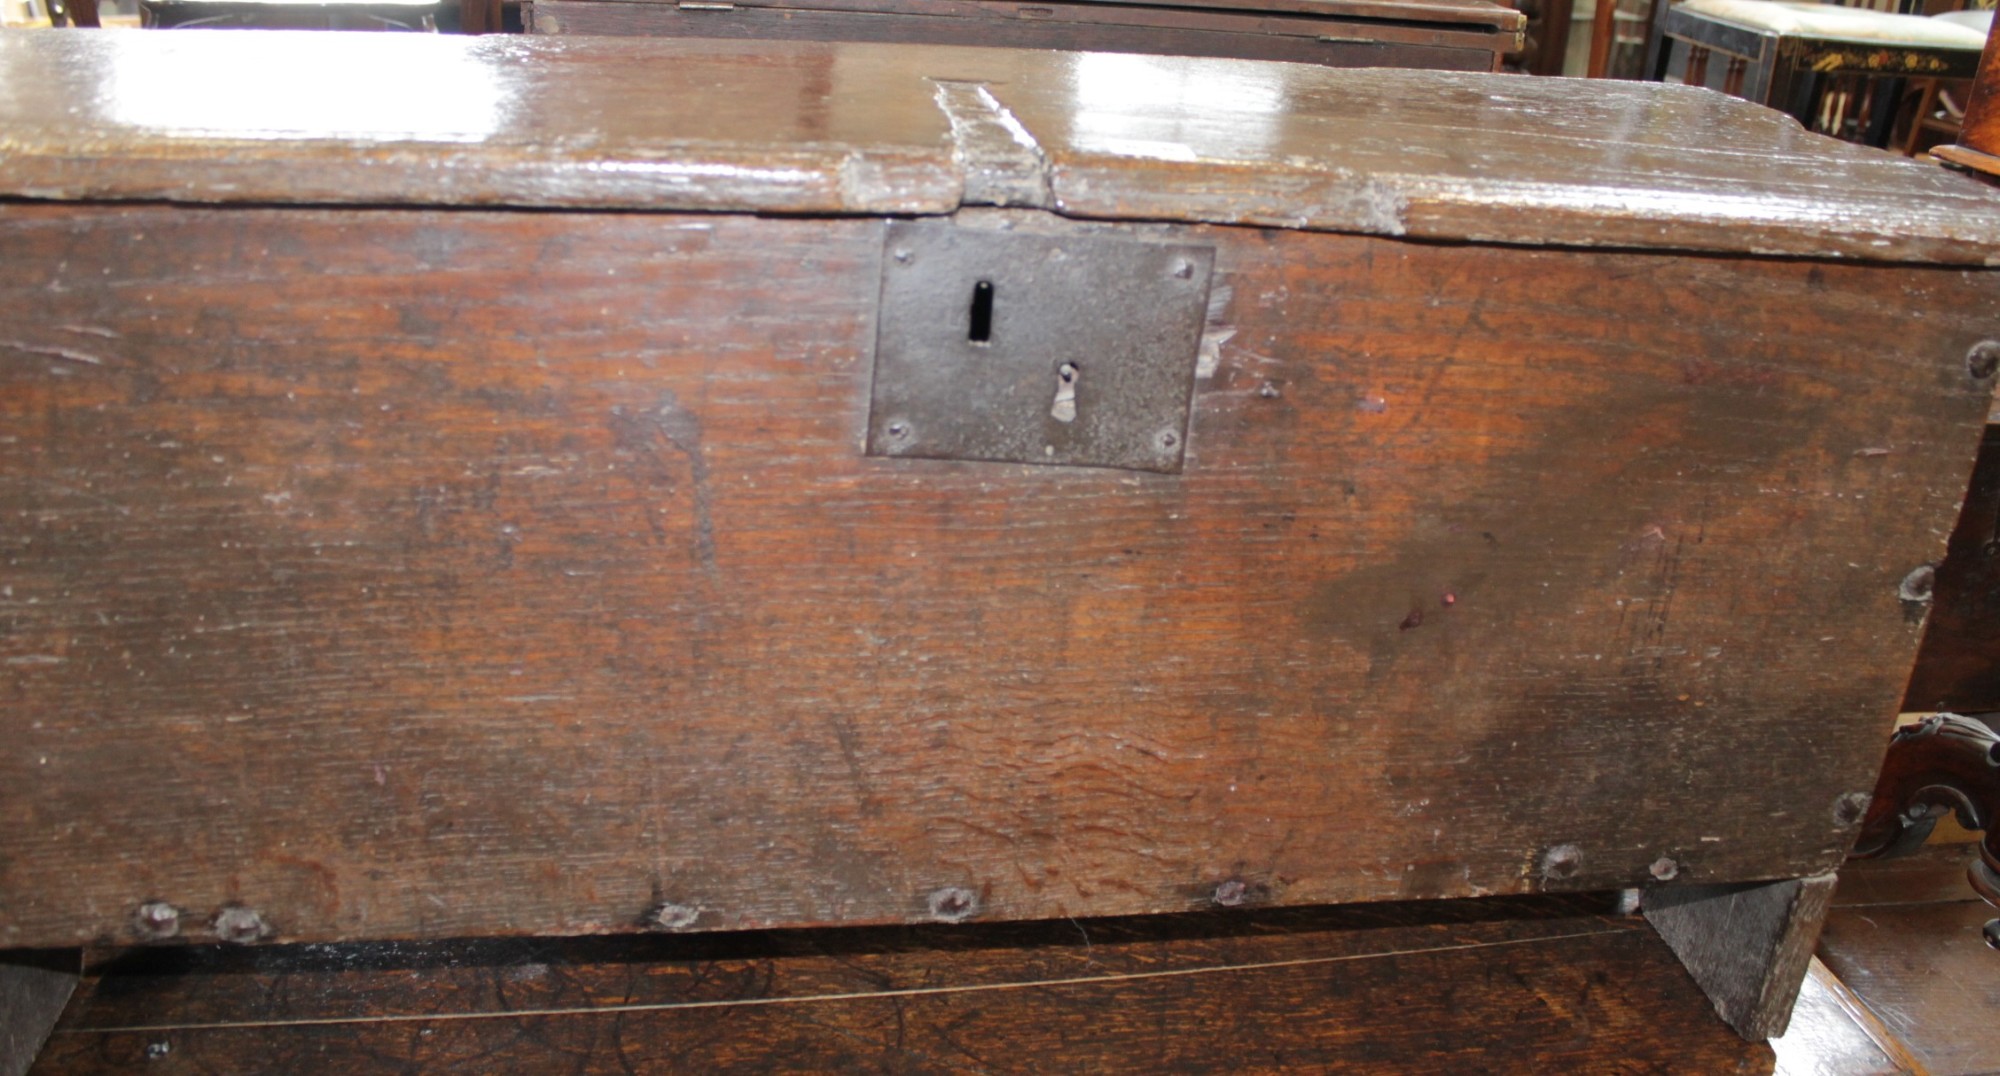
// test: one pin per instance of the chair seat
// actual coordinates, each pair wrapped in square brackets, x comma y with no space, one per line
[1827,22]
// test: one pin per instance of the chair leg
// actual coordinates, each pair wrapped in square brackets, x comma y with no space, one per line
[1602,28]
[1732,79]
[1926,101]
[1697,68]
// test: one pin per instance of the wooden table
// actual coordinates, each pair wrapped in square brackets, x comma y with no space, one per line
[583,503]
[1450,35]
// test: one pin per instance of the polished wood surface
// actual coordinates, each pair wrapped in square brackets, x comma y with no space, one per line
[1831,1034]
[814,128]
[1917,966]
[1081,27]
[1487,986]
[394,573]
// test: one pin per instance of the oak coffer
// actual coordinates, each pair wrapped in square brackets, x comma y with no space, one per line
[488,486]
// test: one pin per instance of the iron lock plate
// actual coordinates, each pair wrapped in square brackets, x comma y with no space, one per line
[1072,350]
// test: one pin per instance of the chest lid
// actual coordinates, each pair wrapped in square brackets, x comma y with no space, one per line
[811,128]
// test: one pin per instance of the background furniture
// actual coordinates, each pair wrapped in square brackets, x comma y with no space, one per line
[1459,35]
[1783,54]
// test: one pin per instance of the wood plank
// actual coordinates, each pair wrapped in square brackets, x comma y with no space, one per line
[1484,27]
[854,128]
[1934,873]
[1926,973]
[1748,946]
[1830,1035]
[445,573]
[1463,12]
[1168,32]
[1389,989]
[1958,666]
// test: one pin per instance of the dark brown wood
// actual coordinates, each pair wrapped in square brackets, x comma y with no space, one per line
[426,572]
[1077,26]
[1831,1034]
[1978,143]
[1943,765]
[1748,946]
[408,16]
[1936,872]
[1958,666]
[1603,28]
[814,128]
[34,988]
[479,17]
[1495,16]
[1394,989]
[1697,66]
[1923,971]
[493,611]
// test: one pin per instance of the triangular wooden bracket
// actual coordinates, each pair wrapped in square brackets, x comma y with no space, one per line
[1747,946]
[34,987]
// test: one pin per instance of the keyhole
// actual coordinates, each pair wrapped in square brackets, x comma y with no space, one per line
[1065,405]
[982,313]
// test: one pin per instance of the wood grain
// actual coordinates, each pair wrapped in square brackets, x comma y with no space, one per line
[1958,666]
[1925,972]
[409,573]
[1831,1034]
[1393,989]
[1747,946]
[855,129]
[1080,27]
[1462,12]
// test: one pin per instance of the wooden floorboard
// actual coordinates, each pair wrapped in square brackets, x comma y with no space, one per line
[1468,986]
[1927,974]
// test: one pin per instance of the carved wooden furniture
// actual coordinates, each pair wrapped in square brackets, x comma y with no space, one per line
[409,15]
[1779,53]
[706,486]
[1978,146]
[1452,35]
[1944,765]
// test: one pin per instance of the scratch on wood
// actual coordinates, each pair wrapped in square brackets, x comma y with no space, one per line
[64,353]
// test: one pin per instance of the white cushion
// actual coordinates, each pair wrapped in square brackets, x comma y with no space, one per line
[1826,22]
[1981,21]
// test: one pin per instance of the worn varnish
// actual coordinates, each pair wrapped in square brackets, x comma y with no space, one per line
[813,128]
[1452,986]
[1464,36]
[519,572]
[379,572]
